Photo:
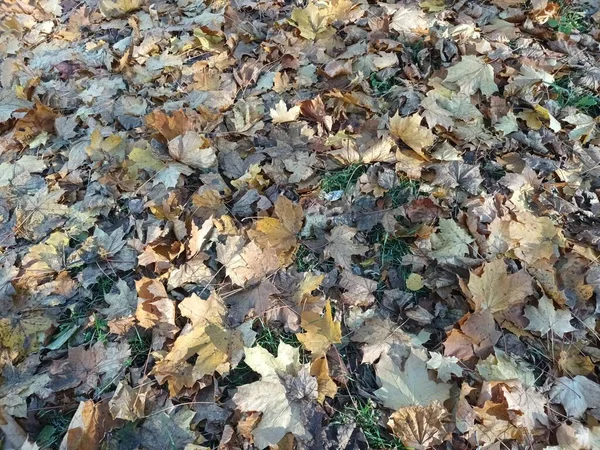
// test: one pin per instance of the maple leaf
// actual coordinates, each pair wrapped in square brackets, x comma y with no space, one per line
[586,127]
[472,74]
[500,367]
[408,18]
[218,348]
[117,8]
[285,394]
[411,132]
[279,233]
[495,290]
[40,213]
[88,426]
[281,114]
[407,383]
[246,264]
[122,304]
[451,241]
[321,332]
[420,427]
[526,405]
[379,336]
[577,394]
[312,21]
[341,246]
[545,318]
[128,403]
[19,383]
[83,368]
[358,290]
[326,386]
[458,174]
[446,366]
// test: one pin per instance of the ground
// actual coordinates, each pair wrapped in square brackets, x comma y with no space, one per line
[332,224]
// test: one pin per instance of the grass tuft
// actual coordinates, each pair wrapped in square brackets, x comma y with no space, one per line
[368,418]
[56,424]
[570,18]
[140,348]
[403,193]
[568,93]
[340,180]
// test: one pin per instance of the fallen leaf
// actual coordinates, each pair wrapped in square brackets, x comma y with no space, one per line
[495,290]
[407,383]
[292,394]
[321,332]
[576,395]
[545,318]
[472,74]
[341,246]
[420,427]
[189,149]
[281,114]
[411,132]
[451,241]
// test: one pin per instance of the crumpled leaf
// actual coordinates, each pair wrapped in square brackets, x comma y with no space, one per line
[189,149]
[412,133]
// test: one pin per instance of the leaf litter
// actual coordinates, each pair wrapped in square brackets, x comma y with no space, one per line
[314,225]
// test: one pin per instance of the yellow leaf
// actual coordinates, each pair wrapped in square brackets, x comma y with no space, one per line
[312,21]
[414,282]
[411,132]
[433,5]
[327,387]
[144,159]
[495,290]
[281,113]
[279,233]
[117,8]
[321,332]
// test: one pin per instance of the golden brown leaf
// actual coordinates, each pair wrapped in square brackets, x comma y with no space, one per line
[420,427]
